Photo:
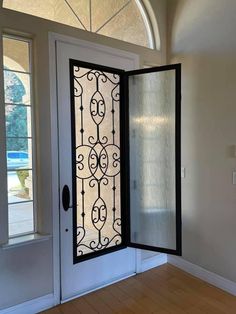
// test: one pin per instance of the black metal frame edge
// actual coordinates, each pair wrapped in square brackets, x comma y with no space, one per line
[94,66]
[161,68]
[74,198]
[178,161]
[123,191]
[153,248]
[126,183]
[178,250]
[123,152]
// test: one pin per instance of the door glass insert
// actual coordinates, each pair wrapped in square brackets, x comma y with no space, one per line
[95,112]
[155,158]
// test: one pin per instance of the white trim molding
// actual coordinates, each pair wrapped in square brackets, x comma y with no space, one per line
[201,273]
[33,306]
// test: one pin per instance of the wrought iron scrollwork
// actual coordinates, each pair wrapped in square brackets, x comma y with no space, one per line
[97,159]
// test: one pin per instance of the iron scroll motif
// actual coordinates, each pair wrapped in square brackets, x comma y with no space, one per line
[95,106]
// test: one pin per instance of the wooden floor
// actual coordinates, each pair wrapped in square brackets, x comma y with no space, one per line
[162,290]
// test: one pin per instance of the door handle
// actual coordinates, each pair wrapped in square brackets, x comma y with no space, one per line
[66,198]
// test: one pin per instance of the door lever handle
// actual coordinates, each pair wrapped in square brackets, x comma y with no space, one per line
[66,198]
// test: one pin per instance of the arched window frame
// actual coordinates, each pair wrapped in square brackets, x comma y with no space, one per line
[145,9]
[148,24]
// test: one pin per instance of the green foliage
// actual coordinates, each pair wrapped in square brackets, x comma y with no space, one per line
[13,87]
[16,126]
[16,116]
[22,176]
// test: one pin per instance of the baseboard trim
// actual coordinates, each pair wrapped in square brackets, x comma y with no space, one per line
[201,273]
[31,307]
[153,261]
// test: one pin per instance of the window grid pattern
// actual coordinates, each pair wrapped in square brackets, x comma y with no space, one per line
[19,135]
[126,20]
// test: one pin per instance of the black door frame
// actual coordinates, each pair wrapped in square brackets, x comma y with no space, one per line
[125,158]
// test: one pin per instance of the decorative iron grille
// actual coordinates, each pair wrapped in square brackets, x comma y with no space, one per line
[96,160]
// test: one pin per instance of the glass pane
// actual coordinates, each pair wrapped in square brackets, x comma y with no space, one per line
[152,144]
[82,10]
[96,153]
[42,8]
[21,218]
[16,87]
[20,187]
[135,30]
[16,54]
[54,10]
[70,12]
[19,153]
[103,10]
[18,121]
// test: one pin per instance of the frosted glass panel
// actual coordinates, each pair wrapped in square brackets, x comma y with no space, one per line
[152,166]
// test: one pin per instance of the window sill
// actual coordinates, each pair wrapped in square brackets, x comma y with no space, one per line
[24,240]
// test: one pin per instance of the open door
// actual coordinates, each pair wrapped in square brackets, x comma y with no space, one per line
[123,159]
[154,97]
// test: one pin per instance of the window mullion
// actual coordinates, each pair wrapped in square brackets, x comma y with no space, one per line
[3,164]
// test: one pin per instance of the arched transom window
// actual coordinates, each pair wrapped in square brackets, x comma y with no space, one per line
[126,20]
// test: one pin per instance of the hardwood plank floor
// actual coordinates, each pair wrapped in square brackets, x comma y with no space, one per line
[162,290]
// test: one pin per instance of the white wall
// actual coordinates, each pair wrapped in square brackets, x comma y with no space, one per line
[26,273]
[202,37]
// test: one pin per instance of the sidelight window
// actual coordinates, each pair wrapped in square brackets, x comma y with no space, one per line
[19,135]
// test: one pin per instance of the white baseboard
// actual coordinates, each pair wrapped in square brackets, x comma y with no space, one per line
[199,272]
[32,306]
[153,261]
